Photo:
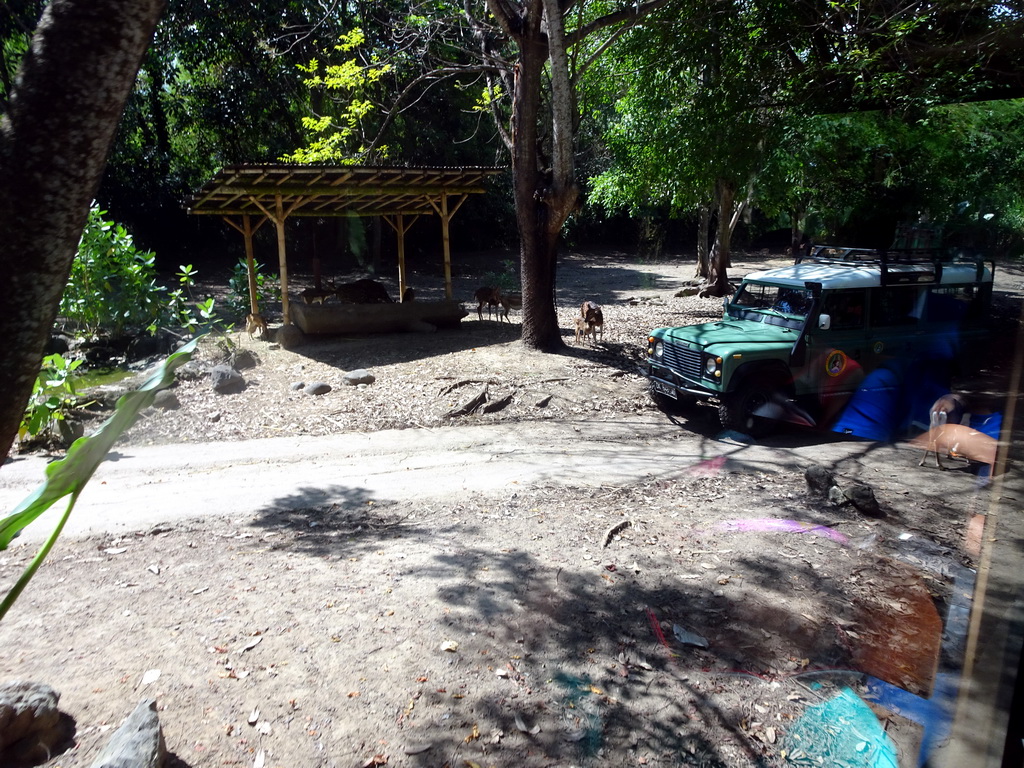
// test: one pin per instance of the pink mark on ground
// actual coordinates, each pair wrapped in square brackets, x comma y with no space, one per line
[708,467]
[783,526]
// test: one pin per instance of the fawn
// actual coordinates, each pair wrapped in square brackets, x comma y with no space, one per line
[254,323]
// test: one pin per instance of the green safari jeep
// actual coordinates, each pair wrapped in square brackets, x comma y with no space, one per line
[806,342]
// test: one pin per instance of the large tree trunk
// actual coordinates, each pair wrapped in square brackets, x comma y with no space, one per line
[719,285]
[545,194]
[54,140]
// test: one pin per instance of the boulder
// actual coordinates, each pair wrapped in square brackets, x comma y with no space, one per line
[317,388]
[226,380]
[819,479]
[244,359]
[138,743]
[290,336]
[30,723]
[863,498]
[837,497]
[166,400]
[191,371]
[359,376]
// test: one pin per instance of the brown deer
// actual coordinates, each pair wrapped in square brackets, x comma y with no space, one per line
[948,409]
[594,317]
[254,323]
[487,295]
[509,301]
[583,329]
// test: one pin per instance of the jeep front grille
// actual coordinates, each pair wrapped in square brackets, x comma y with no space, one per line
[686,362]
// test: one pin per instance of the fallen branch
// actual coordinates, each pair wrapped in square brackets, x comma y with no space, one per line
[613,530]
[463,383]
[469,406]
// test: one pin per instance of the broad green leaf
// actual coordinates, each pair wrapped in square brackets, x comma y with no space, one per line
[69,475]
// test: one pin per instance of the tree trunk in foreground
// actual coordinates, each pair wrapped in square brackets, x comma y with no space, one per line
[61,120]
[545,192]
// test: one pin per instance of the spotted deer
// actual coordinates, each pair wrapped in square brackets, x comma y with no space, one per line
[948,409]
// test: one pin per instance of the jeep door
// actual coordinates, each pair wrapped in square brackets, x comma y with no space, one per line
[896,326]
[836,355]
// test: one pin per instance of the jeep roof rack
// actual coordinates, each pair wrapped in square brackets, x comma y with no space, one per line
[897,265]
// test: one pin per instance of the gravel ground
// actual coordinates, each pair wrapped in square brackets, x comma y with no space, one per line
[419,379]
[693,620]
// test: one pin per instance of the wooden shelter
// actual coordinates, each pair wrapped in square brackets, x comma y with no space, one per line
[248,196]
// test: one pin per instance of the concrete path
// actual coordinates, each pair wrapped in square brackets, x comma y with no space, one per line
[138,487]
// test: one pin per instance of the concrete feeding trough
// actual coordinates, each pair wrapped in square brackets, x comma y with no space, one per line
[339,319]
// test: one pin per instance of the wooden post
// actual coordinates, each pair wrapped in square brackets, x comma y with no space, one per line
[446,240]
[446,217]
[250,263]
[400,229]
[248,230]
[398,224]
[282,257]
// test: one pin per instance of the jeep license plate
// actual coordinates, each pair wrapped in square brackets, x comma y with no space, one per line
[664,389]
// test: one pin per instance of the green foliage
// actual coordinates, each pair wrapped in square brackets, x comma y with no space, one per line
[506,279]
[338,137]
[237,302]
[69,476]
[113,284]
[182,309]
[53,396]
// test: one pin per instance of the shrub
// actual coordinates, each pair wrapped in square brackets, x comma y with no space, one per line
[238,297]
[53,396]
[113,284]
[507,279]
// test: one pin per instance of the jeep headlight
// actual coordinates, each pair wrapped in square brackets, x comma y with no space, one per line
[713,367]
[655,348]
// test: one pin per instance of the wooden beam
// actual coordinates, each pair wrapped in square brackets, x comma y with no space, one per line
[385,190]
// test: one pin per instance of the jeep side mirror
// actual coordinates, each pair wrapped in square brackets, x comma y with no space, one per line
[824,322]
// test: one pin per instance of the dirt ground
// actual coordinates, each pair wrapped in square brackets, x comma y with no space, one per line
[687,622]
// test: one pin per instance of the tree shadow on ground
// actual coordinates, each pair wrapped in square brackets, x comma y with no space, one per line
[562,660]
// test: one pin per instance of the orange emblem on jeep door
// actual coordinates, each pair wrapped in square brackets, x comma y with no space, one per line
[835,363]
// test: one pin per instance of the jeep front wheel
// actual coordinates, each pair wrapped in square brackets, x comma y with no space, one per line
[743,410]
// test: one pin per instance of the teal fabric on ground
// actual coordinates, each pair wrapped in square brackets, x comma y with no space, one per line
[842,731]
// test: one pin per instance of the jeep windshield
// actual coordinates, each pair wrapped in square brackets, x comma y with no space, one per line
[785,306]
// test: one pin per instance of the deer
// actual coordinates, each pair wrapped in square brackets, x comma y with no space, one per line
[486,295]
[316,295]
[583,329]
[948,409]
[592,314]
[254,323]
[509,301]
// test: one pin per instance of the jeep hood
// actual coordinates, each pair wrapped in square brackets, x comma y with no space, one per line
[728,331]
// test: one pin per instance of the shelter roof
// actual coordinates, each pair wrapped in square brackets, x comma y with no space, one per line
[334,190]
